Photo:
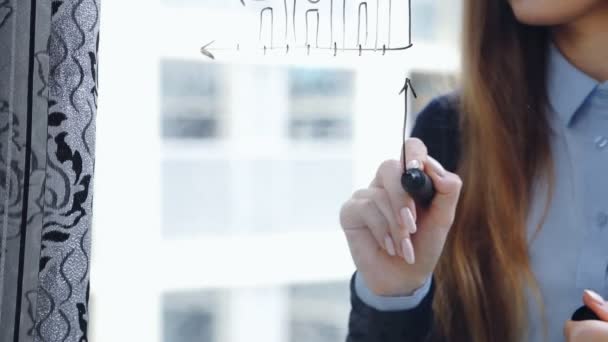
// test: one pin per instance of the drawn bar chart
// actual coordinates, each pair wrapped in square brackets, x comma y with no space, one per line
[337,26]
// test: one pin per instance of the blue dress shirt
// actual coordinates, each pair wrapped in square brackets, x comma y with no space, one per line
[570,252]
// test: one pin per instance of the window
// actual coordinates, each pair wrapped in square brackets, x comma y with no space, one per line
[436,21]
[317,312]
[320,104]
[298,313]
[317,107]
[190,316]
[219,182]
[192,97]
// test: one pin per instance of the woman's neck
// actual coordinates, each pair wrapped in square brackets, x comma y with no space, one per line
[584,42]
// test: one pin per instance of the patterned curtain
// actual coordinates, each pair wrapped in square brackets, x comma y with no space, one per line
[48,100]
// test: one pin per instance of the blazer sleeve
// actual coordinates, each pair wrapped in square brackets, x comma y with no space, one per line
[437,127]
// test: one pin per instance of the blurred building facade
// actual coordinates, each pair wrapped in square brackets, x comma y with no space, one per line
[255,159]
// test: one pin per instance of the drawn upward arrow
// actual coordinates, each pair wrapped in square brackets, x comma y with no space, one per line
[406,86]
[206,52]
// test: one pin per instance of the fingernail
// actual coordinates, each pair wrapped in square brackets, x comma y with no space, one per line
[408,251]
[407,216]
[438,168]
[595,297]
[390,247]
[413,164]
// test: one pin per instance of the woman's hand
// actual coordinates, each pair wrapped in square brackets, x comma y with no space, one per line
[590,331]
[395,245]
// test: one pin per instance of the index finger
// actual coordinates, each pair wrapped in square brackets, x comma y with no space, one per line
[596,303]
[415,153]
[388,177]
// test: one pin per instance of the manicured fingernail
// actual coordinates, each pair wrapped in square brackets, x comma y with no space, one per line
[390,246]
[438,168]
[407,216]
[408,251]
[413,164]
[595,297]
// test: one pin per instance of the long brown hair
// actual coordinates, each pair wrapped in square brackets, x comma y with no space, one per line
[484,271]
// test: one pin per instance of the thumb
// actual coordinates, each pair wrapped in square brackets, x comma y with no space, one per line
[596,303]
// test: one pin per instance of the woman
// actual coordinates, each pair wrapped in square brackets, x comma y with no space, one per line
[509,257]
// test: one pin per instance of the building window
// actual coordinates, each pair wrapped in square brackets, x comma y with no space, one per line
[318,312]
[191,99]
[321,104]
[190,316]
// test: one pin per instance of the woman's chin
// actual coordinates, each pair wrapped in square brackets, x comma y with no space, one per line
[551,12]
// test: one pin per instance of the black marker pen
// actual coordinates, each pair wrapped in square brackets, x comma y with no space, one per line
[419,185]
[583,314]
[413,180]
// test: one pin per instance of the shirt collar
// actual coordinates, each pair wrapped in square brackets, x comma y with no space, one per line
[567,86]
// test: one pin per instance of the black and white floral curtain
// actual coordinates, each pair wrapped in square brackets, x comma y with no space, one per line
[48,100]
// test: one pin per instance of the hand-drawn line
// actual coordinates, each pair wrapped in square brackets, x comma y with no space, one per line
[286,18]
[206,52]
[334,48]
[293,20]
[378,22]
[361,5]
[406,86]
[390,23]
[271,19]
[343,25]
[360,46]
[316,11]
[409,8]
[271,23]
[331,21]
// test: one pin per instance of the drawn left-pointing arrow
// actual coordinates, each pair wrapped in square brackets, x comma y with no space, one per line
[206,52]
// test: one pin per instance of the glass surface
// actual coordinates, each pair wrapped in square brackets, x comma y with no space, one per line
[219,182]
[317,312]
[320,103]
[191,99]
[190,316]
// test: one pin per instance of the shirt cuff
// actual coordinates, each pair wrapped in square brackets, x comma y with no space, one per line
[390,303]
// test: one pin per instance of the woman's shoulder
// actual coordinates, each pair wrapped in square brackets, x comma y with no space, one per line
[437,125]
[441,112]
